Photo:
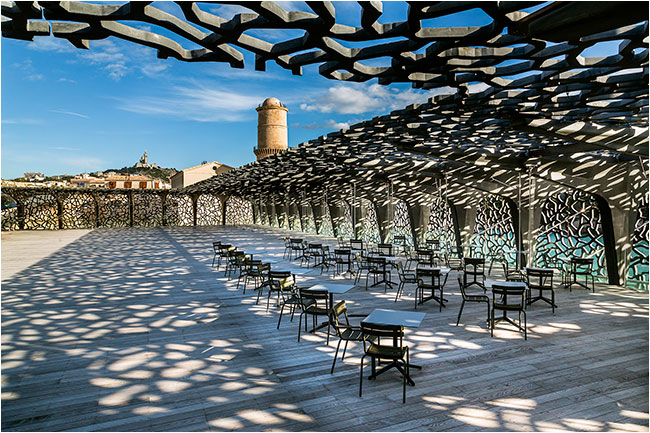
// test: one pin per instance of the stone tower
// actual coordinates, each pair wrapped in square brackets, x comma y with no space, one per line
[271,128]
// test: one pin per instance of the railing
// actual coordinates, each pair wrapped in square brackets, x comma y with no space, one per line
[53,208]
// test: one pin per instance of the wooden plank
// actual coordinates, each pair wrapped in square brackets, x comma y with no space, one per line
[162,341]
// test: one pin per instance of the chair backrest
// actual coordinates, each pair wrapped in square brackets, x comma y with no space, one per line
[399,240]
[320,297]
[424,256]
[428,277]
[215,246]
[335,313]
[375,262]
[314,247]
[474,265]
[342,254]
[356,244]
[385,249]
[390,333]
[507,297]
[539,278]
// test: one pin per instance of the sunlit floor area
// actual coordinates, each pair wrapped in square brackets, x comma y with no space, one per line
[134,330]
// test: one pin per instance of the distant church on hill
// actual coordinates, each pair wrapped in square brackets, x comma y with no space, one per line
[144,162]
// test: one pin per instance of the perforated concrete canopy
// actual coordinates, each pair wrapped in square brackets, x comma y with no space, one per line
[514,94]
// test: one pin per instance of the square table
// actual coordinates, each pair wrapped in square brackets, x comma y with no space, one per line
[410,319]
[331,289]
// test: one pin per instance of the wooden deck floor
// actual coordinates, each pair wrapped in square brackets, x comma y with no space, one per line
[132,330]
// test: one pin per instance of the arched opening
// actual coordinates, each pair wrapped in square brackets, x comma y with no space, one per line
[370,226]
[178,210]
[208,210]
[571,227]
[238,211]
[637,271]
[441,223]
[402,223]
[325,224]
[494,228]
[307,218]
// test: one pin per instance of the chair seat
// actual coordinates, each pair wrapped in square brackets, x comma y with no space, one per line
[313,309]
[386,351]
[477,298]
[352,334]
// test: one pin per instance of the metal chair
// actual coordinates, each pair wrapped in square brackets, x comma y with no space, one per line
[480,298]
[314,303]
[505,299]
[429,279]
[216,250]
[405,277]
[541,280]
[344,331]
[474,271]
[397,352]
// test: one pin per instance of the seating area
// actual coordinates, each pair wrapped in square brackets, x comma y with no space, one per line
[163,340]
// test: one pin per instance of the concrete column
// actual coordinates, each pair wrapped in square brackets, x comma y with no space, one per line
[464,217]
[337,214]
[318,211]
[195,201]
[130,194]
[419,215]
[384,211]
[96,200]
[59,212]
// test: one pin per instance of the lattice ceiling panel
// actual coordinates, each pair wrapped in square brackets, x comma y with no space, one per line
[518,89]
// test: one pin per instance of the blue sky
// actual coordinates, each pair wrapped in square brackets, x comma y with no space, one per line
[66,111]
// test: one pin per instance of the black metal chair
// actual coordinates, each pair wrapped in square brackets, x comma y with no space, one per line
[248,268]
[508,299]
[216,250]
[376,267]
[474,271]
[542,281]
[424,257]
[287,248]
[454,259]
[479,298]
[397,352]
[224,250]
[234,263]
[314,303]
[385,249]
[582,267]
[498,256]
[343,260]
[429,279]
[344,331]
[297,247]
[356,245]
[400,244]
[406,276]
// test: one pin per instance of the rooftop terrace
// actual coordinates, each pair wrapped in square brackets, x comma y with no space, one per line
[131,329]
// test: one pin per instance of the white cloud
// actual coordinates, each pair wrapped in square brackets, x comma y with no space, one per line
[199,103]
[66,80]
[347,99]
[50,43]
[70,113]
[22,121]
[329,124]
[64,148]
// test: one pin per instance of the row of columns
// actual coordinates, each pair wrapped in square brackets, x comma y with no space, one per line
[618,217]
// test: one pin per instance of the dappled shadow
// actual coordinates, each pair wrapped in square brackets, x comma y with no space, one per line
[132,329]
